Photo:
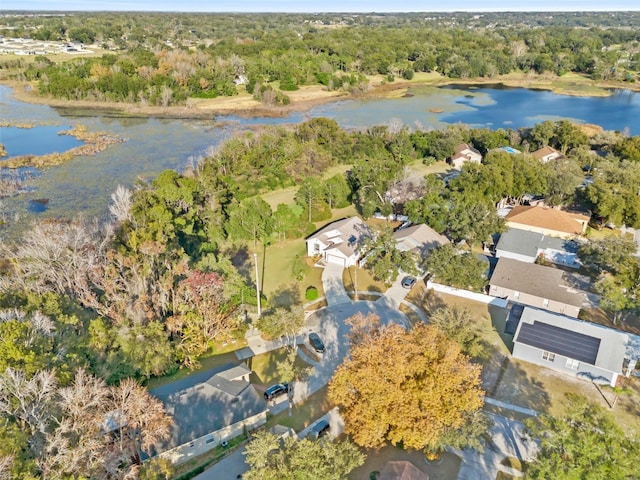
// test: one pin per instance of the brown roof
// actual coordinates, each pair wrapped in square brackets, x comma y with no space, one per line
[544,151]
[534,279]
[548,218]
[402,470]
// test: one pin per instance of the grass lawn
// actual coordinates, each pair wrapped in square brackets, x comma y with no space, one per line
[305,413]
[365,281]
[279,265]
[418,168]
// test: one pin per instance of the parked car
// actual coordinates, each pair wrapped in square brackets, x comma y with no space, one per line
[316,342]
[319,429]
[276,390]
[408,281]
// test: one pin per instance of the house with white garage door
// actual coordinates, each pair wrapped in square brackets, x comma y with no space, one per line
[339,242]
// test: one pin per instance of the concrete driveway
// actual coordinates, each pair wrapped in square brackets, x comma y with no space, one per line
[333,285]
[330,324]
[507,440]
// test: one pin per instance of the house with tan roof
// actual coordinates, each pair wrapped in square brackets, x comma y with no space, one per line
[464,153]
[339,242]
[548,221]
[537,286]
[547,154]
[420,239]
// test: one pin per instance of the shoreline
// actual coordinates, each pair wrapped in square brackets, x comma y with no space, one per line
[244,106]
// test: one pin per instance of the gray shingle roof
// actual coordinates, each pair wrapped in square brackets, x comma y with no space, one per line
[527,243]
[573,338]
[538,280]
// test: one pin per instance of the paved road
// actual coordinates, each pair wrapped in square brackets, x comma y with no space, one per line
[226,469]
[508,440]
[330,324]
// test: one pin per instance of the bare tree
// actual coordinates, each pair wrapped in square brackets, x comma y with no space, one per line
[29,401]
[120,209]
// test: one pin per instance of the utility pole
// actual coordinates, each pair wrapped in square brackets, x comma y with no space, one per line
[255,258]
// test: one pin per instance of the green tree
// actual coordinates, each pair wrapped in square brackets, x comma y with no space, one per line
[462,270]
[459,325]
[250,220]
[583,443]
[607,254]
[384,259]
[300,459]
[311,197]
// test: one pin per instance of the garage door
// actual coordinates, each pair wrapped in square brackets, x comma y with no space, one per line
[335,259]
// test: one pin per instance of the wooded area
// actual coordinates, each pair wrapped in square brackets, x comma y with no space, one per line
[164,59]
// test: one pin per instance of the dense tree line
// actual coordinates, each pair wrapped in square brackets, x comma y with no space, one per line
[164,59]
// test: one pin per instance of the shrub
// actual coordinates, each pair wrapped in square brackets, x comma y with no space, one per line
[311,293]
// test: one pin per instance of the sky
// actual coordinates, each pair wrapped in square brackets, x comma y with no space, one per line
[320,5]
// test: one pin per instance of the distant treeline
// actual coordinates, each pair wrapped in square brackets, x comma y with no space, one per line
[163,59]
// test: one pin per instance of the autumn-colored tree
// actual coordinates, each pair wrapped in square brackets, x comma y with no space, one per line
[202,312]
[409,386]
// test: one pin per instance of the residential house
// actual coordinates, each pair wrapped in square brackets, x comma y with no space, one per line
[535,285]
[420,239]
[402,470]
[586,350]
[339,242]
[548,221]
[464,153]
[209,411]
[526,246]
[547,154]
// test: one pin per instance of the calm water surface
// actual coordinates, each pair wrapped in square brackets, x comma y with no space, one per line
[84,185]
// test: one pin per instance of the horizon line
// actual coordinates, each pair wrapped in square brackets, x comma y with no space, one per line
[369,12]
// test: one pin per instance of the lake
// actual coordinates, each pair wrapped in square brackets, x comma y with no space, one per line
[39,140]
[84,184]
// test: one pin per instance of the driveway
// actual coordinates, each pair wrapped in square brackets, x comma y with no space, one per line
[333,286]
[507,440]
[330,324]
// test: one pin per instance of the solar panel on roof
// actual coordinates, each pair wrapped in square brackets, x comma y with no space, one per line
[560,341]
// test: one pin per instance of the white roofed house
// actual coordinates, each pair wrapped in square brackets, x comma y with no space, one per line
[339,242]
[574,347]
[464,153]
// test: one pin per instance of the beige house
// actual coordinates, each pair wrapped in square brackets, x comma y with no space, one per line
[464,153]
[548,221]
[535,285]
[420,239]
[547,154]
